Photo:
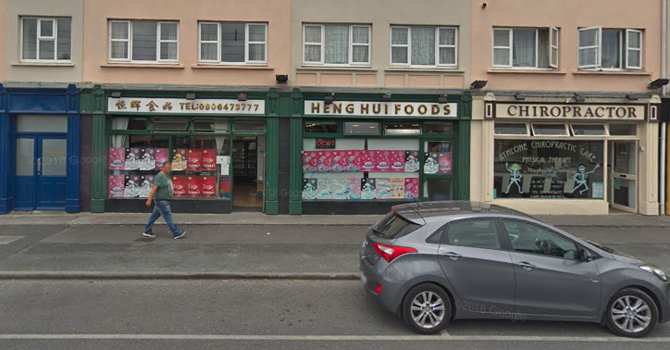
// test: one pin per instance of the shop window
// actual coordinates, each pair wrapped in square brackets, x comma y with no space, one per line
[525,47]
[46,39]
[549,169]
[623,129]
[588,129]
[439,128]
[41,123]
[549,129]
[424,46]
[143,41]
[438,189]
[249,126]
[361,128]
[233,43]
[322,127]
[402,128]
[336,44]
[169,124]
[610,48]
[210,125]
[511,129]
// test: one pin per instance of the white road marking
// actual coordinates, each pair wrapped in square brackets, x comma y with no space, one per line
[324,338]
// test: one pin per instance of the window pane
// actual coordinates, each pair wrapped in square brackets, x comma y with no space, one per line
[524,48]
[423,46]
[47,48]
[402,128]
[25,157]
[249,126]
[64,39]
[549,129]
[529,238]
[313,53]
[623,129]
[209,31]
[256,52]
[29,39]
[176,124]
[399,55]
[510,129]
[634,58]
[587,57]
[232,42]
[438,189]
[399,36]
[119,30]
[588,37]
[501,57]
[447,37]
[256,32]
[583,130]
[47,28]
[119,49]
[543,48]
[312,34]
[337,44]
[444,128]
[634,40]
[169,31]
[361,128]
[447,55]
[54,155]
[361,35]
[393,227]
[611,49]
[501,38]
[360,54]
[322,127]
[144,40]
[474,233]
[168,51]
[41,123]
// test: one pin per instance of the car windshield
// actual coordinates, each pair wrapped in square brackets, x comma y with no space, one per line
[394,226]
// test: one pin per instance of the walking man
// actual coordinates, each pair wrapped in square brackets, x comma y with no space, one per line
[161,194]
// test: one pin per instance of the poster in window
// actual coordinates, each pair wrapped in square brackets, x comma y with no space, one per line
[309,189]
[397,187]
[162,155]
[445,163]
[179,159]
[324,162]
[412,161]
[412,188]
[208,160]
[430,165]
[369,161]
[340,161]
[132,186]
[208,186]
[354,161]
[309,162]
[193,186]
[145,187]
[148,159]
[117,183]
[384,160]
[383,188]
[368,189]
[598,190]
[194,160]
[338,188]
[224,186]
[323,189]
[179,186]
[117,157]
[353,188]
[132,159]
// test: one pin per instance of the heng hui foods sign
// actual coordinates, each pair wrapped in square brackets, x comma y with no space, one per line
[382,109]
[569,111]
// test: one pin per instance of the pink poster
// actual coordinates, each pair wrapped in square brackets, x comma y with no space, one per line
[390,161]
[412,188]
[117,157]
[179,185]
[193,186]
[383,188]
[397,188]
[193,160]
[338,188]
[309,162]
[116,185]
[369,161]
[339,161]
[323,189]
[324,162]
[354,161]
[445,163]
[208,186]
[162,155]
[208,161]
[353,188]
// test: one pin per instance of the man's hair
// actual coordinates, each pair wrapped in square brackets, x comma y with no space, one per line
[166,163]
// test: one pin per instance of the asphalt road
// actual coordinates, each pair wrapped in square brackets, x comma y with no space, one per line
[252,315]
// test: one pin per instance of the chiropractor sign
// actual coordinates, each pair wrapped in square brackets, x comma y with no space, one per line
[630,112]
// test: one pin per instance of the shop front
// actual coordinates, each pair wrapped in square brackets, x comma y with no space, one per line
[568,158]
[362,154]
[39,149]
[219,145]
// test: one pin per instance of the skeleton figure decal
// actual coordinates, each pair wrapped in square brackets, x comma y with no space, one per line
[515,177]
[581,178]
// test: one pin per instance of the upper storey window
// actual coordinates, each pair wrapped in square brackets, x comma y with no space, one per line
[336,44]
[525,48]
[233,43]
[422,46]
[46,39]
[143,41]
[610,49]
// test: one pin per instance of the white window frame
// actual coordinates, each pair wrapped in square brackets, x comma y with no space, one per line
[598,46]
[40,38]
[554,45]
[623,53]
[510,49]
[565,127]
[247,61]
[630,48]
[322,44]
[517,123]
[573,133]
[437,48]
[129,43]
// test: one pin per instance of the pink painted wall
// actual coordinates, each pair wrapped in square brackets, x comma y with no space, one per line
[276,13]
[569,16]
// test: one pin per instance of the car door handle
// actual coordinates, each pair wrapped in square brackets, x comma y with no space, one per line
[525,265]
[452,255]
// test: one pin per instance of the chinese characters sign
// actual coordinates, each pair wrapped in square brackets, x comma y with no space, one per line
[180,106]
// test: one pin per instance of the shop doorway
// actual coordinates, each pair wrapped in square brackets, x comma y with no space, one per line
[623,175]
[248,169]
[41,172]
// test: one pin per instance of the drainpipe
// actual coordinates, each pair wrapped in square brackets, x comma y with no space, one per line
[664,54]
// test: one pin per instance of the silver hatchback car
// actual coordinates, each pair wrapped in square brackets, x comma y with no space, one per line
[433,262]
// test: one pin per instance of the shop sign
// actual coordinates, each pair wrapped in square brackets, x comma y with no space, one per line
[325,143]
[621,112]
[181,106]
[382,109]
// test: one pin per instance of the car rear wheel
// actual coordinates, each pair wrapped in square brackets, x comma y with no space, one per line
[631,313]
[426,309]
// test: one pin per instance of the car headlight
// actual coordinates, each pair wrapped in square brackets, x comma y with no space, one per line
[656,271]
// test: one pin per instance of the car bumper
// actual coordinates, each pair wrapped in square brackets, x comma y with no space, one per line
[389,298]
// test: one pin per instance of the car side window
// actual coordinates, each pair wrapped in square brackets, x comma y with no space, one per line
[478,233]
[533,239]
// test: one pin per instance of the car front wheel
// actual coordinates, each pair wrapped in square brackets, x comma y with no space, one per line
[631,313]
[426,309]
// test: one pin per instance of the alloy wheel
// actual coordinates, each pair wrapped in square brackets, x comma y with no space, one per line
[631,314]
[428,309]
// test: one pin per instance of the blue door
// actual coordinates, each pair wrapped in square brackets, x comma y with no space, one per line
[40,171]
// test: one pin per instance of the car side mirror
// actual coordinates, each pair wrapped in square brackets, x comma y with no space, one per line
[586,255]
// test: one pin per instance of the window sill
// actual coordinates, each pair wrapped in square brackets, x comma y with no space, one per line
[527,71]
[454,71]
[611,72]
[336,69]
[225,66]
[41,64]
[144,65]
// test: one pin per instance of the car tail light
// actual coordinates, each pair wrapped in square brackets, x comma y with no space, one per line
[378,289]
[391,252]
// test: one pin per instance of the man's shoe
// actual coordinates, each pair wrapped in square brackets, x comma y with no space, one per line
[149,235]
[180,235]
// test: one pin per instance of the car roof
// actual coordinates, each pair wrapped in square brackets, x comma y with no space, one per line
[419,212]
